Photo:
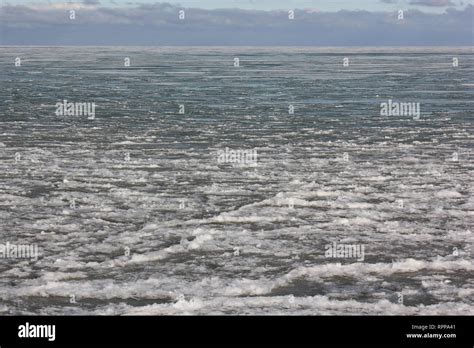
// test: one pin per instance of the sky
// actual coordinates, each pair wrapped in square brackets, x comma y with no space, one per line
[238,22]
[433,6]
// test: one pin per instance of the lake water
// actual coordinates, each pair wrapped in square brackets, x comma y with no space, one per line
[152,207]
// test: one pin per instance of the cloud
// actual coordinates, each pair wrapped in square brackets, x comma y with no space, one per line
[432,3]
[158,24]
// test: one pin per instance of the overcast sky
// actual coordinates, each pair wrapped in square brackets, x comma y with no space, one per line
[436,6]
[238,22]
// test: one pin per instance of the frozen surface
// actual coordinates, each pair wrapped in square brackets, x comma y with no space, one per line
[212,238]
